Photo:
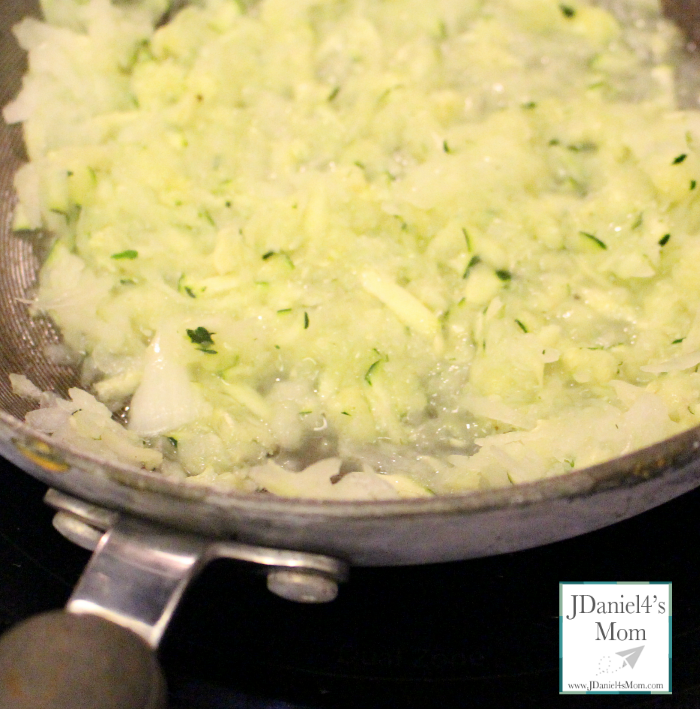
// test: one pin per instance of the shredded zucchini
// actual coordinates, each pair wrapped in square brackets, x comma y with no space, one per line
[434,245]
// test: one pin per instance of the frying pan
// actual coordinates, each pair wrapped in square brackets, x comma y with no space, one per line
[152,535]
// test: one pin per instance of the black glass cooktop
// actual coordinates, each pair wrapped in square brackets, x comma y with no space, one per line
[481,633]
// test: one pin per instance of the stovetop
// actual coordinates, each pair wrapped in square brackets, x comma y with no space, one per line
[479,633]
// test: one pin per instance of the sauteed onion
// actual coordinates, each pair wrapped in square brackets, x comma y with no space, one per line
[363,249]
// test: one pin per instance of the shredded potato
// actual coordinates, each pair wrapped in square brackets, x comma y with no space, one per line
[364,248]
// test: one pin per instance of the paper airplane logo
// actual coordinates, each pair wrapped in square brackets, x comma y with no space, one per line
[631,656]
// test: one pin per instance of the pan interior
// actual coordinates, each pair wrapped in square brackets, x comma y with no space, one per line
[27,342]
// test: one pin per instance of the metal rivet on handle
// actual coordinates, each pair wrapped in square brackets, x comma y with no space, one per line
[302,586]
[77,530]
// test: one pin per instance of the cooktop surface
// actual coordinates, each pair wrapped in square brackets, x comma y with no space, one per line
[478,633]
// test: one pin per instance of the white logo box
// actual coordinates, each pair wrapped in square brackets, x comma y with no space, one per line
[615,637]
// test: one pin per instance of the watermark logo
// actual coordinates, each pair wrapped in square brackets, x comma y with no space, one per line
[631,656]
[615,637]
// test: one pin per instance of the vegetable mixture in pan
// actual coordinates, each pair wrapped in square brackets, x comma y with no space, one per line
[363,248]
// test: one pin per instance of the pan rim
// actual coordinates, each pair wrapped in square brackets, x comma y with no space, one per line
[627,470]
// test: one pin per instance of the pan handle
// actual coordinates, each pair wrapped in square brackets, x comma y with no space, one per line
[137,575]
[100,653]
[61,660]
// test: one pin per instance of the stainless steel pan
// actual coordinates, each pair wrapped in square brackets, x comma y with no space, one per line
[153,535]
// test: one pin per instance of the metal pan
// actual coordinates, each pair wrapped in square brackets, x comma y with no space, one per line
[152,535]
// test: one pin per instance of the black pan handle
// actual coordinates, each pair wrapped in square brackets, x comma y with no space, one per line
[60,660]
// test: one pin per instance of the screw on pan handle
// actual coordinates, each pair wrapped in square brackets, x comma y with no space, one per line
[61,660]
